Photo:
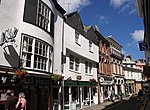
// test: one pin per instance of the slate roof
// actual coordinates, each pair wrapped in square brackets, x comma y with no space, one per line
[74,20]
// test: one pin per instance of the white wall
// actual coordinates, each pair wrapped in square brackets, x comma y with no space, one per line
[11,15]
[82,52]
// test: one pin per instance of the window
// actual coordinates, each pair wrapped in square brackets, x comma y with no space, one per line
[71,62]
[43,15]
[77,37]
[38,13]
[88,67]
[90,46]
[36,54]
[74,63]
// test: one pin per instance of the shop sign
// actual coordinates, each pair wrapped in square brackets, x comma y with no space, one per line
[42,81]
[129,81]
[35,81]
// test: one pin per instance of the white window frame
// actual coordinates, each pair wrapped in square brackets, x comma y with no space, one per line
[38,58]
[74,63]
[88,68]
[90,46]
[43,16]
[71,63]
[77,38]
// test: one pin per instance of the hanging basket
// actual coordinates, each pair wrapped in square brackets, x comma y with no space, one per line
[56,77]
[20,74]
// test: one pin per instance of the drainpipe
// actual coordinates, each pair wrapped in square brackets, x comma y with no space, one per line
[62,67]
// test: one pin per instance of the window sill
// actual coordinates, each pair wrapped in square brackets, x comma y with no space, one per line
[77,72]
[91,51]
[78,44]
[88,74]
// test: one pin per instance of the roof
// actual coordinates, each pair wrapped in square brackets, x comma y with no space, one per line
[111,38]
[58,7]
[74,20]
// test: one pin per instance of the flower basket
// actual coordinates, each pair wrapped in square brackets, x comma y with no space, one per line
[56,77]
[20,74]
[92,80]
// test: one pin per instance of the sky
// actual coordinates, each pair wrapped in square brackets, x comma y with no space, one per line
[118,18]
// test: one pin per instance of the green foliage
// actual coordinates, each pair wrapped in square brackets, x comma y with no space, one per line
[56,77]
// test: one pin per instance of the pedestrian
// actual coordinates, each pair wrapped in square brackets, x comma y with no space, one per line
[11,101]
[21,104]
[112,95]
[140,95]
[120,94]
[109,95]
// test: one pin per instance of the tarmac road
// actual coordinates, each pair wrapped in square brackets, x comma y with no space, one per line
[131,104]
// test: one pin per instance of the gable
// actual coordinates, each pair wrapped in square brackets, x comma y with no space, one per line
[74,20]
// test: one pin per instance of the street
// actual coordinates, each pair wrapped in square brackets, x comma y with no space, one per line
[131,104]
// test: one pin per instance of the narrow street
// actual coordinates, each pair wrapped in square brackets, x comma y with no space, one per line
[131,104]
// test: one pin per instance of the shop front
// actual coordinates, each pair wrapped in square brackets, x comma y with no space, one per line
[79,94]
[130,87]
[105,86]
[36,89]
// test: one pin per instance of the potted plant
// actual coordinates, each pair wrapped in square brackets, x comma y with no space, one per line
[92,80]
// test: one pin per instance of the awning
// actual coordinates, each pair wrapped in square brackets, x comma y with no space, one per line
[79,83]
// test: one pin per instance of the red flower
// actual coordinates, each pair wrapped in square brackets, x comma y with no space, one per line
[20,73]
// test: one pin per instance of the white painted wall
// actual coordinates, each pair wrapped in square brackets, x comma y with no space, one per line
[11,15]
[82,52]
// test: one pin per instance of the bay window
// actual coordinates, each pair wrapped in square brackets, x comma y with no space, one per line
[36,54]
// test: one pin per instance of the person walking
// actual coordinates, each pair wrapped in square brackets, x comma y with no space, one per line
[109,95]
[11,101]
[140,95]
[120,94]
[21,104]
[112,95]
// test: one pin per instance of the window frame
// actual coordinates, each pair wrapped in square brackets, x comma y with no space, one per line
[74,63]
[77,38]
[88,68]
[91,46]
[38,61]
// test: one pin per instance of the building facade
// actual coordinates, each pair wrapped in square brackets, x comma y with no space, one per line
[105,80]
[31,34]
[133,76]
[116,65]
[80,65]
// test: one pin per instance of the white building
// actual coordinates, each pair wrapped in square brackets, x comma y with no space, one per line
[133,76]
[80,68]
[31,38]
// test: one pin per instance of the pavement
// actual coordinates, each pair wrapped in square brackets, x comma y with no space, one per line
[145,104]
